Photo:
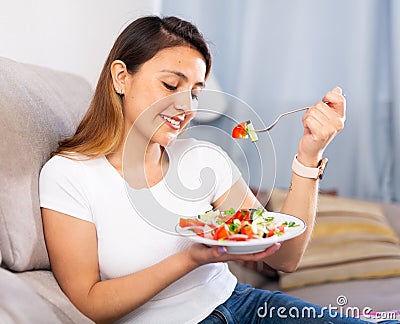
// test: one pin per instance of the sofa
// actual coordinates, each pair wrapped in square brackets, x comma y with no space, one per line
[40,106]
[352,260]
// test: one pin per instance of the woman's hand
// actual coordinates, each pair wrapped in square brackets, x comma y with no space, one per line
[321,123]
[200,254]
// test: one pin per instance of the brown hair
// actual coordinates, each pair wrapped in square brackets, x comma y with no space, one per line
[101,129]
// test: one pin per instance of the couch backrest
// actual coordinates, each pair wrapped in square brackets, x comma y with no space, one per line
[38,107]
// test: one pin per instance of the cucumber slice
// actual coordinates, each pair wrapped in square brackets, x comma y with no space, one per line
[209,215]
[251,131]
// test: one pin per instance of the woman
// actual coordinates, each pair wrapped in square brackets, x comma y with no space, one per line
[111,274]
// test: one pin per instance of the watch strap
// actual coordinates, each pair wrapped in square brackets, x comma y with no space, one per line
[308,172]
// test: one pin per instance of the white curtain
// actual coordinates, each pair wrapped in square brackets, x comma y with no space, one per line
[395,117]
[280,55]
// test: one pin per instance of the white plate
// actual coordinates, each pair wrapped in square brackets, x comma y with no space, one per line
[252,245]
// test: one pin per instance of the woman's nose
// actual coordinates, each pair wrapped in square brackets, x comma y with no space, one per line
[184,102]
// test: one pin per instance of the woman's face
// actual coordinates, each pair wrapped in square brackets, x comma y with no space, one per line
[177,71]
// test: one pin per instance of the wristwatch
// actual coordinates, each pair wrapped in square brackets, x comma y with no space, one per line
[307,172]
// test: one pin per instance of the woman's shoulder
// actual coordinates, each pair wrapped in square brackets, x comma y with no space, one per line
[63,161]
[64,166]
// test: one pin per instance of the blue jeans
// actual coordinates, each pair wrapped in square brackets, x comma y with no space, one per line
[250,305]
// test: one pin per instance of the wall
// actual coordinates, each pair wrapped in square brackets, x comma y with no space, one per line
[73,36]
[279,55]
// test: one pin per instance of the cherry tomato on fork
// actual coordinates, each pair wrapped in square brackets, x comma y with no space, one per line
[239,131]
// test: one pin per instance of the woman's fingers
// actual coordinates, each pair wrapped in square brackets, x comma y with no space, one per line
[256,256]
[321,123]
[336,101]
[223,255]
[202,254]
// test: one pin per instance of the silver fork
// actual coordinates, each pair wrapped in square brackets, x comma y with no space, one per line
[279,117]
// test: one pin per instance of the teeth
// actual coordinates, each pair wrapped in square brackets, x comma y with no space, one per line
[172,121]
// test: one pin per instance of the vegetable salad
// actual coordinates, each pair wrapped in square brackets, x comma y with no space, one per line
[240,225]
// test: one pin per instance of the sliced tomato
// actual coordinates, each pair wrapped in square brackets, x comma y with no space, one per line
[189,222]
[281,228]
[221,233]
[228,219]
[242,215]
[247,230]
[238,215]
[271,233]
[198,231]
[245,215]
[238,237]
[239,131]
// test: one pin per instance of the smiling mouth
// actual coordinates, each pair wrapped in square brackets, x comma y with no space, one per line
[173,122]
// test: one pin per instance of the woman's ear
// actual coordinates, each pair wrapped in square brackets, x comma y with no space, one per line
[119,73]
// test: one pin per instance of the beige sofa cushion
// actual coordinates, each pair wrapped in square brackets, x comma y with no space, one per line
[46,286]
[19,303]
[38,107]
[352,239]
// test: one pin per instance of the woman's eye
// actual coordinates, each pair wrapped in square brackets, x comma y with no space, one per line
[169,87]
[195,96]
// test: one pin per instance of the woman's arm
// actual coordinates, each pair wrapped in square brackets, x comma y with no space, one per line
[321,123]
[72,248]
[300,202]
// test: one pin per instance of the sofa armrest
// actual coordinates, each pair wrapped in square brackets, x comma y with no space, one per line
[20,304]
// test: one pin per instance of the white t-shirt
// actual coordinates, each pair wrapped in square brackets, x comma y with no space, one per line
[94,191]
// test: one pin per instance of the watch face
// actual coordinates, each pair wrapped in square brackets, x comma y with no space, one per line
[322,165]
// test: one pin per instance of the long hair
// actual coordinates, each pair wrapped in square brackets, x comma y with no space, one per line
[102,128]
